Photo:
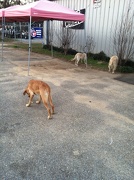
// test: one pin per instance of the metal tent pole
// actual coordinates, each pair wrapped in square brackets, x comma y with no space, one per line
[52,54]
[2,37]
[85,38]
[29,48]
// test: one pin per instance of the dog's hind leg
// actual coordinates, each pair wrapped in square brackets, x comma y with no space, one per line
[51,103]
[77,61]
[37,102]
[85,61]
[45,96]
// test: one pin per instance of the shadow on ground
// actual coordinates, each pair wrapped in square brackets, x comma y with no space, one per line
[126,78]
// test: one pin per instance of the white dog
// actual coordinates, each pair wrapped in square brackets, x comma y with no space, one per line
[113,63]
[80,56]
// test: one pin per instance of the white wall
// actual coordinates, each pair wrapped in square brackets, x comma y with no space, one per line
[101,21]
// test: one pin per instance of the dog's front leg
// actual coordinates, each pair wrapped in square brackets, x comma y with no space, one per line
[30,100]
[109,68]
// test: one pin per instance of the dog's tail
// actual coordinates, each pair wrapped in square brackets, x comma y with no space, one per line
[73,59]
[24,92]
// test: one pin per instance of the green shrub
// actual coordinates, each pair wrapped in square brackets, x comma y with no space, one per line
[129,63]
[126,69]
[101,56]
[46,47]
[15,46]
[60,49]
[71,51]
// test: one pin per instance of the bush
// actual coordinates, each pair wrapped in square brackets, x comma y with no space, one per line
[60,49]
[126,69]
[46,47]
[129,63]
[54,48]
[126,66]
[99,56]
[71,51]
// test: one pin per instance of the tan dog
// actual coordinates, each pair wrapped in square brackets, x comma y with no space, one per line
[44,91]
[80,56]
[113,63]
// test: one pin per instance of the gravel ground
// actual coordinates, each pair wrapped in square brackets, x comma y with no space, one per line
[91,135]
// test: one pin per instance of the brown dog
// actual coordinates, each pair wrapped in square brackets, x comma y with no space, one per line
[44,91]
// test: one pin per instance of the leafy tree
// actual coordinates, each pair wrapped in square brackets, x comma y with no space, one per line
[66,37]
[124,37]
[89,45]
[7,3]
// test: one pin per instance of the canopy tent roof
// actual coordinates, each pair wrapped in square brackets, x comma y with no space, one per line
[39,11]
[2,11]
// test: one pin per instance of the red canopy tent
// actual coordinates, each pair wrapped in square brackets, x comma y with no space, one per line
[2,18]
[39,11]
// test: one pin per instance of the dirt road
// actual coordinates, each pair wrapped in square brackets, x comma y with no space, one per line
[89,137]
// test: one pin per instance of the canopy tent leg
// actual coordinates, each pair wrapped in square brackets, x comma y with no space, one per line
[52,54]
[29,48]
[85,37]
[2,45]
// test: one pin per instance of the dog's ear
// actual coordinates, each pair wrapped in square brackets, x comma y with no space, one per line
[25,92]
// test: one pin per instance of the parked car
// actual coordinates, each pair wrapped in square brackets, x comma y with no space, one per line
[25,35]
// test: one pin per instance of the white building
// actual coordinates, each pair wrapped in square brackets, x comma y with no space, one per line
[103,19]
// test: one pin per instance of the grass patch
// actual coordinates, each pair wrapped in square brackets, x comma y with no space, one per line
[40,49]
[100,65]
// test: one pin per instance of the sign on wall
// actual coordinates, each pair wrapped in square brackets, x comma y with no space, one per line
[75,24]
[96,3]
[37,32]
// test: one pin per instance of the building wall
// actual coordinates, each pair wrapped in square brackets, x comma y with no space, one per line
[102,19]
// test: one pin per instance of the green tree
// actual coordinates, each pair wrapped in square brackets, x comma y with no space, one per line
[124,37]
[7,3]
